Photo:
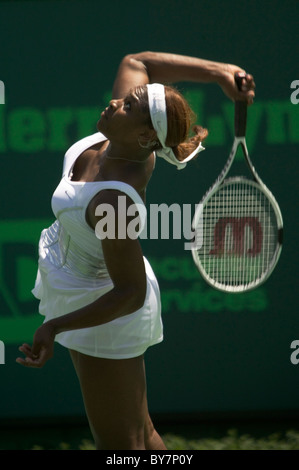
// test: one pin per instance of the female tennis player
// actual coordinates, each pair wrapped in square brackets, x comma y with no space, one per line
[98,293]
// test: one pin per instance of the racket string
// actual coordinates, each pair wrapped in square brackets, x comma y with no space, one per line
[239,234]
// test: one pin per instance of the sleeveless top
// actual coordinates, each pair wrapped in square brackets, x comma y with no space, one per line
[72,271]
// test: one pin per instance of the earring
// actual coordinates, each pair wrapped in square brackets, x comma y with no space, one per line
[148,145]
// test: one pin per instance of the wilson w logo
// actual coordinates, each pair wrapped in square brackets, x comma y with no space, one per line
[237,236]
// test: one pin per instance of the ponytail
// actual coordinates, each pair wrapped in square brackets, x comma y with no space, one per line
[184,149]
[180,119]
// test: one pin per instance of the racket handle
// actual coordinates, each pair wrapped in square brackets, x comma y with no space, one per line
[240,109]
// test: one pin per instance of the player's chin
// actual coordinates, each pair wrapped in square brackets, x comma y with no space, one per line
[101,126]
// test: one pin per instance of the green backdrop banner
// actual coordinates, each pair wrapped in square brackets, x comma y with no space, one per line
[222,352]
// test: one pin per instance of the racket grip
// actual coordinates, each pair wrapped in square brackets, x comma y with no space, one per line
[240,109]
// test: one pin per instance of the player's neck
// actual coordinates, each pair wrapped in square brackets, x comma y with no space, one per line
[127,154]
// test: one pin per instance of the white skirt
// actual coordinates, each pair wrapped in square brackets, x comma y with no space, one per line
[128,336]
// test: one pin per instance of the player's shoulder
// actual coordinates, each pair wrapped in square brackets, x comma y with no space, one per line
[112,196]
[85,142]
[111,204]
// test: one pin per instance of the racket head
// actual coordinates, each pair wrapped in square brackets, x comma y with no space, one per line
[238,235]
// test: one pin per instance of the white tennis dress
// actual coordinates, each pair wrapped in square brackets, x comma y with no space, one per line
[72,271]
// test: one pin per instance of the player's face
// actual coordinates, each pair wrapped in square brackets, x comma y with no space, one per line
[124,120]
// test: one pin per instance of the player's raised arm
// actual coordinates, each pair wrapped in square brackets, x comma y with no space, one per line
[151,67]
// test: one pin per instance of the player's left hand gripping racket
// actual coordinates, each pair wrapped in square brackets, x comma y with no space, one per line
[238,224]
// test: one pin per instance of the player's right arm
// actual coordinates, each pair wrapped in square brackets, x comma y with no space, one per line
[150,67]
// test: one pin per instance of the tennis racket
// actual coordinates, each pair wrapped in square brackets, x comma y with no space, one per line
[238,225]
